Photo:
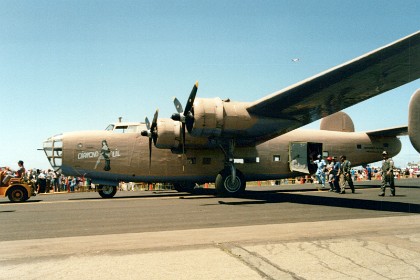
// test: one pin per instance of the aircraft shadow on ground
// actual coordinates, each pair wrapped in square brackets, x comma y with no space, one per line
[264,197]
[154,194]
[276,196]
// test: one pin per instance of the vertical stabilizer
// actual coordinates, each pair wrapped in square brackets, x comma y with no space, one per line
[339,121]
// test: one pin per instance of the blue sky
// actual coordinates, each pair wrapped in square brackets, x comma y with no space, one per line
[79,65]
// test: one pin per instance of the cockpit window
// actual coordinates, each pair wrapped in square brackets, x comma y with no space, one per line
[110,127]
[124,128]
[120,129]
[132,128]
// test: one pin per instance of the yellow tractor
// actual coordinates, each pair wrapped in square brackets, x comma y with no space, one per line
[16,189]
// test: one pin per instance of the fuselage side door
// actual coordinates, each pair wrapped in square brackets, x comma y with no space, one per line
[298,157]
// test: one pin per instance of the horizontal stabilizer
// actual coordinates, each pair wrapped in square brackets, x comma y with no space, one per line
[389,132]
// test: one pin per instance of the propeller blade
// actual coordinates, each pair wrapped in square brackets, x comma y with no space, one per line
[147,123]
[191,98]
[151,132]
[153,127]
[178,105]
[150,154]
[183,145]
[155,117]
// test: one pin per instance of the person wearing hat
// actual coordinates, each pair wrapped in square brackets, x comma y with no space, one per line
[387,175]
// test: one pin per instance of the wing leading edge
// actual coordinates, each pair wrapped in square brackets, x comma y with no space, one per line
[343,86]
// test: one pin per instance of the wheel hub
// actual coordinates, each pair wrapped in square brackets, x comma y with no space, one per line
[107,189]
[232,187]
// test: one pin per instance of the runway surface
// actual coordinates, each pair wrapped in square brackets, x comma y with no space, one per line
[279,232]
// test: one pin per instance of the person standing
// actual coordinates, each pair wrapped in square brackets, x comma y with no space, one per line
[330,176]
[320,172]
[387,175]
[335,172]
[369,172]
[345,175]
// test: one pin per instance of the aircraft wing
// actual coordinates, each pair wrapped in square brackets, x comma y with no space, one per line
[389,132]
[340,87]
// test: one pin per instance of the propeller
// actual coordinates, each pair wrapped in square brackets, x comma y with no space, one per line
[185,116]
[151,132]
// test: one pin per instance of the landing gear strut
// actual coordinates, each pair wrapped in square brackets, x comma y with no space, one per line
[230,181]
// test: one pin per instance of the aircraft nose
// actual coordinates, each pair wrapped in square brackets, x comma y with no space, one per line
[53,148]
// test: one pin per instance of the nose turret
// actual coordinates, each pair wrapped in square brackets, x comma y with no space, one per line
[53,148]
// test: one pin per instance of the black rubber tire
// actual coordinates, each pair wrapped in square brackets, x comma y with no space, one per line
[107,191]
[17,194]
[224,185]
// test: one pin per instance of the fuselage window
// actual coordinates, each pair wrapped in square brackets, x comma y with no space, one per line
[359,147]
[251,160]
[276,158]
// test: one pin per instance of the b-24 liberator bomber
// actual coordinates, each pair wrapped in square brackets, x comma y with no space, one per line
[231,142]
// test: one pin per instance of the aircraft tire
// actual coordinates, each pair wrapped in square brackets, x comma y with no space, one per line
[17,194]
[224,186]
[107,191]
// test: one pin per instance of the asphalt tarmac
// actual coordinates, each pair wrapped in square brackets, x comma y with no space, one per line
[271,232]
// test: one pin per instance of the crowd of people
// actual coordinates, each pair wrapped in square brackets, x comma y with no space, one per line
[44,181]
[338,173]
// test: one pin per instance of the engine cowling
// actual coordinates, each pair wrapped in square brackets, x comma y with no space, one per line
[414,120]
[169,136]
[214,117]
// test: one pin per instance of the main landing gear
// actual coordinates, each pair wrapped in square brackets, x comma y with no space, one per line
[107,191]
[230,181]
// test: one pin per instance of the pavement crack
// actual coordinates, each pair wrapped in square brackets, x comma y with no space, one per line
[390,254]
[328,248]
[395,256]
[258,263]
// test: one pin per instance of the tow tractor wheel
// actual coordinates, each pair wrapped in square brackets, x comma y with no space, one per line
[17,194]
[107,191]
[225,186]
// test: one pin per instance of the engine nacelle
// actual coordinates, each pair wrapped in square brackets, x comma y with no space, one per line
[169,137]
[169,134]
[214,118]
[414,120]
